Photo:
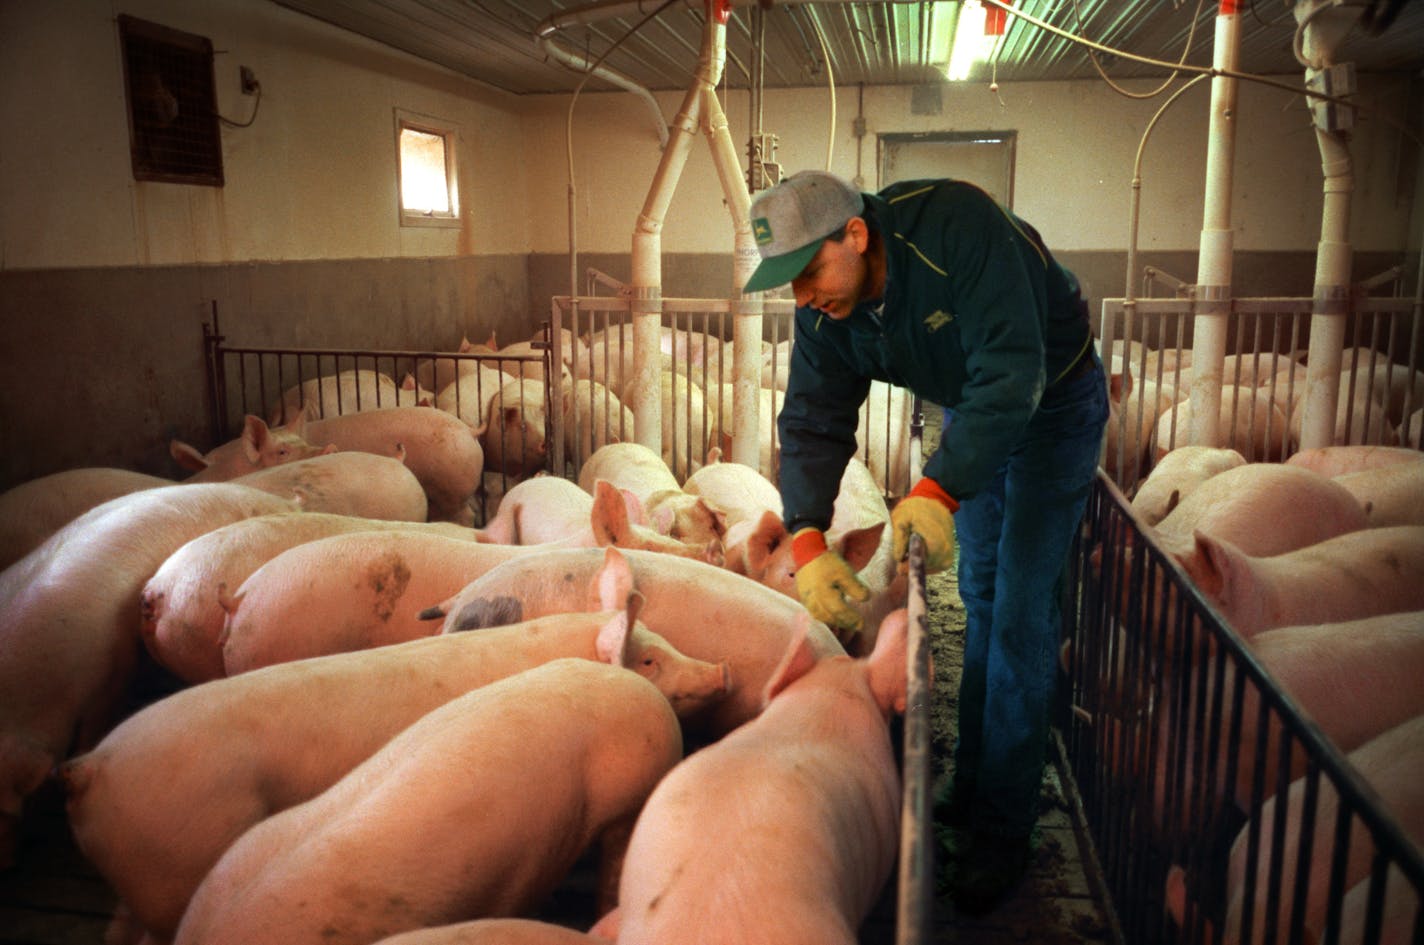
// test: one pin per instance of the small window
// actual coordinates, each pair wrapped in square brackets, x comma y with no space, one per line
[173,116]
[426,149]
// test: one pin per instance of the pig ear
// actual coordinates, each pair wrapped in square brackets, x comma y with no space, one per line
[888,670]
[612,642]
[1172,500]
[663,519]
[637,513]
[254,437]
[763,542]
[719,522]
[609,517]
[859,545]
[613,583]
[297,425]
[408,382]
[796,662]
[1210,564]
[187,456]
[328,449]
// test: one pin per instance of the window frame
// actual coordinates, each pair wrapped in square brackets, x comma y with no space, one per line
[450,132]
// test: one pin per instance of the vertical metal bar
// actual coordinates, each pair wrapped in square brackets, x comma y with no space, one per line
[916,848]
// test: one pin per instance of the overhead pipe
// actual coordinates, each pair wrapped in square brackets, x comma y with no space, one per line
[1213,299]
[581,63]
[699,108]
[545,37]
[1321,27]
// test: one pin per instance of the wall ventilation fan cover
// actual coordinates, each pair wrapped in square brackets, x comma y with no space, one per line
[173,117]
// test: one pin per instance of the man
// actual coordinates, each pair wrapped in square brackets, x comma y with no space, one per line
[932,286]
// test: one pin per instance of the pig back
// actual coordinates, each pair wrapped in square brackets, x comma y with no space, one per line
[69,640]
[441,450]
[184,604]
[349,592]
[352,483]
[1263,509]
[538,764]
[706,612]
[32,511]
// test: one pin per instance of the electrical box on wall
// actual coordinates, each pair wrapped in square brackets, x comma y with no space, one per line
[1337,81]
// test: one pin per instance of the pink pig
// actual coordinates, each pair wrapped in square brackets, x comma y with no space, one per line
[706,612]
[635,468]
[1393,764]
[69,636]
[1338,460]
[234,751]
[551,510]
[441,450]
[1358,574]
[257,447]
[1263,508]
[1176,475]
[478,809]
[353,483]
[1391,494]
[751,509]
[187,600]
[348,592]
[1354,679]
[496,932]
[35,510]
[785,830]
[758,545]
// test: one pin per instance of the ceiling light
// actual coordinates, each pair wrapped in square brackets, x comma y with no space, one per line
[975,34]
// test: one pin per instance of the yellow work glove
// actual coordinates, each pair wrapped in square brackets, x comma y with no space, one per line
[825,581]
[927,511]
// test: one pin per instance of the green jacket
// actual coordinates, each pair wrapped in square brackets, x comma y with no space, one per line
[976,316]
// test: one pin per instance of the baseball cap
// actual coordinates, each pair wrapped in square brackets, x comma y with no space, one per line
[791,220]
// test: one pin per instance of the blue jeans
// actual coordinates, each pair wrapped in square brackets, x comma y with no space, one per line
[1013,540]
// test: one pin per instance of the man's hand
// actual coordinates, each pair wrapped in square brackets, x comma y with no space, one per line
[928,512]
[825,581]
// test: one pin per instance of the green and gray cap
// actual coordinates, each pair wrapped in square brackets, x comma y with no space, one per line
[791,220]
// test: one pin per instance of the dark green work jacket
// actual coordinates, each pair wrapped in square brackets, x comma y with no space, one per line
[976,316]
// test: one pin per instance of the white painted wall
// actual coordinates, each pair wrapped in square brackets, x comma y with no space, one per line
[1077,143]
[312,178]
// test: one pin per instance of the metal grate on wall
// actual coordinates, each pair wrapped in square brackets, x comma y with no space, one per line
[172,103]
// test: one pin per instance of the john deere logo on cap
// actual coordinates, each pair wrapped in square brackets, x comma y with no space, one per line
[761,229]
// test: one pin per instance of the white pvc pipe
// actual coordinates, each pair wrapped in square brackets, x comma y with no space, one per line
[647,241]
[1209,327]
[578,61]
[1321,29]
[1332,294]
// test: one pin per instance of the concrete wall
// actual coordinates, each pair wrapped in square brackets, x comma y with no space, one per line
[105,282]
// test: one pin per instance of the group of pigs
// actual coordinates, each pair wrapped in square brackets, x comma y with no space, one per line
[1379,403]
[397,727]
[505,395]
[1318,564]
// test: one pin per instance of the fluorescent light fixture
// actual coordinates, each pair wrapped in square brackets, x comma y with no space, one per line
[971,45]
[941,28]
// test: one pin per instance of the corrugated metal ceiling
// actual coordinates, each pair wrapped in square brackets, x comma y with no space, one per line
[655,44]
